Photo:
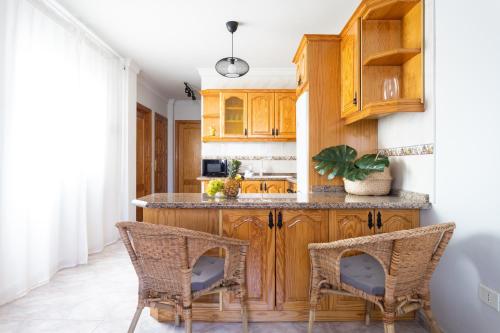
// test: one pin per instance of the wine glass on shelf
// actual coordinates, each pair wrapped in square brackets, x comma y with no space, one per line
[391,88]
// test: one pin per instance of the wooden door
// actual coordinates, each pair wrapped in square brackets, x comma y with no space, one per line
[261,115]
[349,224]
[274,186]
[251,186]
[143,155]
[234,115]
[388,220]
[284,111]
[350,69]
[187,156]
[253,225]
[161,126]
[300,228]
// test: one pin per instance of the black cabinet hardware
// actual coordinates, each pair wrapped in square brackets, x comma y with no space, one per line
[370,220]
[280,220]
[265,187]
[379,220]
[277,132]
[261,187]
[274,132]
[246,132]
[355,99]
[271,218]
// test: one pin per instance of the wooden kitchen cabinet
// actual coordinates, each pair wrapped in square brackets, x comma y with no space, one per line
[251,186]
[295,229]
[301,70]
[253,225]
[350,69]
[248,115]
[234,114]
[284,119]
[263,186]
[261,115]
[389,220]
[274,186]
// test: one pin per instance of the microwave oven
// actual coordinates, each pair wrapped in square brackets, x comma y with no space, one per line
[214,168]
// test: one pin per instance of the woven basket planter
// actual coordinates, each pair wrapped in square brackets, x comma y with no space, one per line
[377,183]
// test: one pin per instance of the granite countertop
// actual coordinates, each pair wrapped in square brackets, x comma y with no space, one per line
[316,200]
[289,177]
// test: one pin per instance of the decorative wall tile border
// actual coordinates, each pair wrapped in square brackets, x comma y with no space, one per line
[252,158]
[423,149]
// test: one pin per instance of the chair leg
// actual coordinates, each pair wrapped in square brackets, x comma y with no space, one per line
[177,322]
[188,319]
[244,309]
[389,328]
[133,324]
[433,325]
[312,316]
[368,312]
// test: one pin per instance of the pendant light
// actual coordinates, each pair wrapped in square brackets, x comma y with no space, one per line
[232,67]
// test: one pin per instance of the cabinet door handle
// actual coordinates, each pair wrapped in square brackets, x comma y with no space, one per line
[280,220]
[355,99]
[273,132]
[277,132]
[271,219]
[246,132]
[265,187]
[379,220]
[370,220]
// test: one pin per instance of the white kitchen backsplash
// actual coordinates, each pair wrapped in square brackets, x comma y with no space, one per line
[271,157]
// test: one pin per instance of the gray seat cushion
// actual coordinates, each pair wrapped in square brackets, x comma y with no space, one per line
[206,272]
[363,272]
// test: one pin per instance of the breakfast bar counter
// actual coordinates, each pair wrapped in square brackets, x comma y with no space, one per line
[279,228]
[316,200]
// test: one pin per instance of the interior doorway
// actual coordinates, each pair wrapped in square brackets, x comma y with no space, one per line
[143,155]
[161,144]
[187,156]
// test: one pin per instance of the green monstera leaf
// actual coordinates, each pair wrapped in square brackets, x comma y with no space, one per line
[341,161]
[335,161]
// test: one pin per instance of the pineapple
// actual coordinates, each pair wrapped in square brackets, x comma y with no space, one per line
[232,182]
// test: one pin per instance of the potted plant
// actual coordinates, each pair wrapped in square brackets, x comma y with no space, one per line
[232,182]
[368,175]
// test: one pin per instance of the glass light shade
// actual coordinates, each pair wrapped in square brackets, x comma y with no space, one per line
[232,67]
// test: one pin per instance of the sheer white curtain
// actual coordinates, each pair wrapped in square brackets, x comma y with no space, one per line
[62,145]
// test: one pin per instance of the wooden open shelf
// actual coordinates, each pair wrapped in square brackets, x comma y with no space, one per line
[383,108]
[390,10]
[394,57]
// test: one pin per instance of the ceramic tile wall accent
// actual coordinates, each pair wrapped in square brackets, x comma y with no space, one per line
[422,149]
[248,150]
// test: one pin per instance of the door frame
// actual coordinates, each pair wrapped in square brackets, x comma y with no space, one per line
[147,112]
[178,123]
[163,118]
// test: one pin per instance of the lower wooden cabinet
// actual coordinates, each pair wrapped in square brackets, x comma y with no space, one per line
[251,186]
[295,230]
[275,186]
[253,225]
[278,264]
[263,186]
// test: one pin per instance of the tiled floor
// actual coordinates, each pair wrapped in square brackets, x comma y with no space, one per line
[101,297]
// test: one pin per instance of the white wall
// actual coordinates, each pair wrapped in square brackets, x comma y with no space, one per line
[178,110]
[149,96]
[467,150]
[257,78]
[131,89]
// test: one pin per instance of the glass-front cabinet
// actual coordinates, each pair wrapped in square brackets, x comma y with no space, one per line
[234,118]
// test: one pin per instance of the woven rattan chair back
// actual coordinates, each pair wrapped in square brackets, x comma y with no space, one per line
[408,258]
[163,258]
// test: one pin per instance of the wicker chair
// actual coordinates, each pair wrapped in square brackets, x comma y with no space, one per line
[405,259]
[164,258]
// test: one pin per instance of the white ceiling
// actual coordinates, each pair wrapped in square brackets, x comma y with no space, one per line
[170,39]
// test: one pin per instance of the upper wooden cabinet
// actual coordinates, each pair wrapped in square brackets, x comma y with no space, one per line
[234,115]
[302,69]
[261,115]
[350,69]
[389,37]
[248,115]
[284,114]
